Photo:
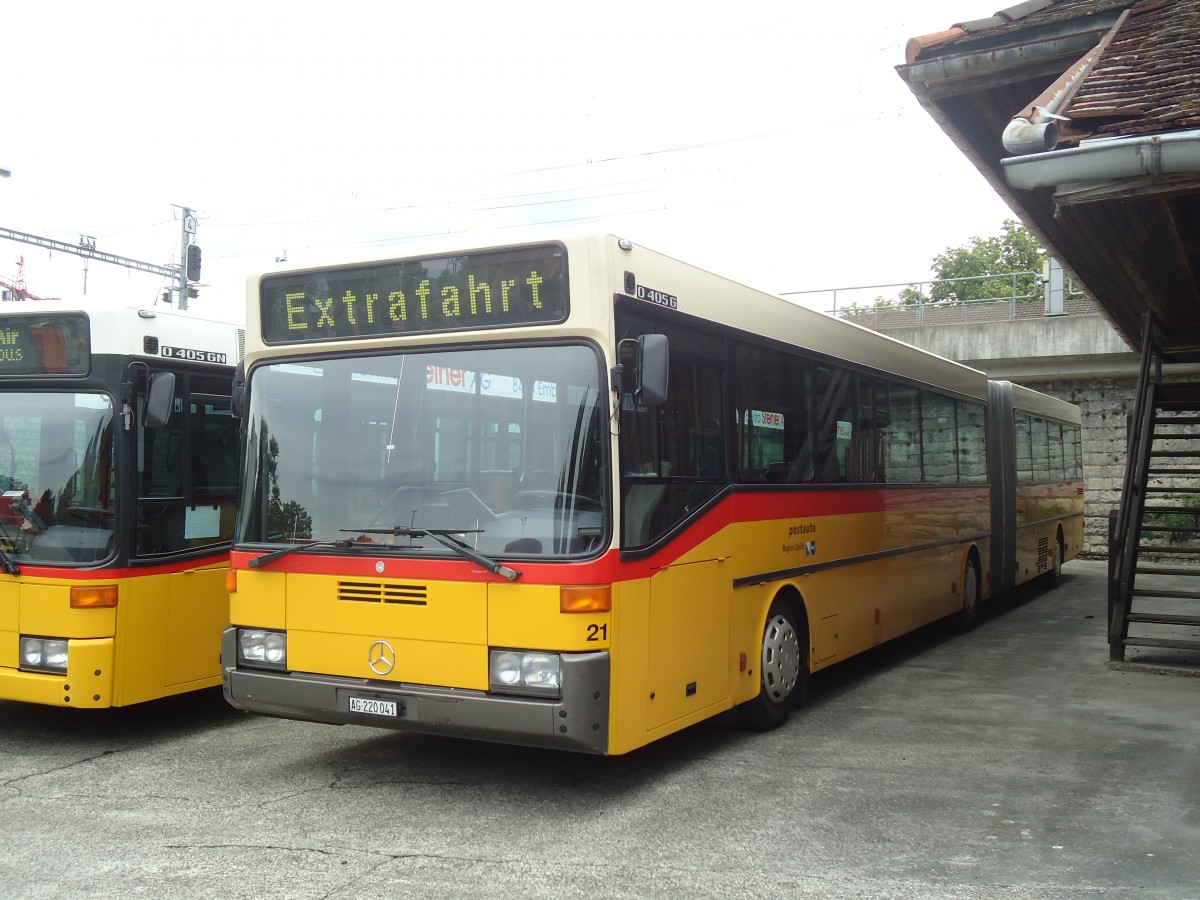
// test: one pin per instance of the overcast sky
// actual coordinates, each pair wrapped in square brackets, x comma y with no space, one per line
[769,141]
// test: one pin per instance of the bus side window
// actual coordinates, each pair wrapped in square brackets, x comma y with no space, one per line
[939,430]
[160,459]
[214,452]
[187,472]
[902,446]
[1022,432]
[774,436]
[673,456]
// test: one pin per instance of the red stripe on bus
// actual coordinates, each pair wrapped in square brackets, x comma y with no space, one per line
[740,506]
[111,574]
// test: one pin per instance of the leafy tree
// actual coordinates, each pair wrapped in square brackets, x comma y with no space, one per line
[1014,250]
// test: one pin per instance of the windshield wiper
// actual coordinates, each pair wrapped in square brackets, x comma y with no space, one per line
[9,567]
[443,537]
[296,548]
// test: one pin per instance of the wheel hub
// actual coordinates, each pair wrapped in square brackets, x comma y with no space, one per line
[780,659]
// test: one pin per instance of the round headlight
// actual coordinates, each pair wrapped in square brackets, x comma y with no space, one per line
[274,648]
[506,668]
[540,669]
[31,652]
[56,655]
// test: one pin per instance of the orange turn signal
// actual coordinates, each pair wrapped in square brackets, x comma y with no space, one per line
[102,596]
[231,580]
[586,598]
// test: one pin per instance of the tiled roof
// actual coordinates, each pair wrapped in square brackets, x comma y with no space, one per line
[1148,81]
[1126,229]
[1046,15]
[1039,13]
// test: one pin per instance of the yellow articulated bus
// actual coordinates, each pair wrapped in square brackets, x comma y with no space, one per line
[569,492]
[119,470]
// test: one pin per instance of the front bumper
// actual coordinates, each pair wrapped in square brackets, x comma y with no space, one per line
[87,683]
[578,721]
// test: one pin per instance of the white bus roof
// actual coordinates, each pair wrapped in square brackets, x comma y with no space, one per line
[690,290]
[150,332]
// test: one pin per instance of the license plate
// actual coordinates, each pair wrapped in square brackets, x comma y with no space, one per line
[373,707]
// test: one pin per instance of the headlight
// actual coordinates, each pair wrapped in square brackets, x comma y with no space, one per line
[44,654]
[262,649]
[526,672]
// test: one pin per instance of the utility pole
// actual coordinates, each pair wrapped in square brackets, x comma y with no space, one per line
[87,246]
[186,233]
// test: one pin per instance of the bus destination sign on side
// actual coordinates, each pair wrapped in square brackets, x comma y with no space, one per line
[516,286]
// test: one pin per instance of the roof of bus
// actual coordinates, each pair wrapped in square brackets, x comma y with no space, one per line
[123,328]
[1029,400]
[719,299]
[694,291]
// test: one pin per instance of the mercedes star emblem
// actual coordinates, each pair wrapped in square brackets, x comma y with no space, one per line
[381,658]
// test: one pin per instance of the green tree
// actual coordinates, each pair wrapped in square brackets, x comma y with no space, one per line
[1014,250]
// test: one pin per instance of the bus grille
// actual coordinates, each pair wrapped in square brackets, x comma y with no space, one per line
[374,592]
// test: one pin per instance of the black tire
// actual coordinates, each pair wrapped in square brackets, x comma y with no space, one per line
[968,617]
[783,670]
[1054,576]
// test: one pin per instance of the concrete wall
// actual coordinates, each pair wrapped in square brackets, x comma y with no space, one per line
[1077,358]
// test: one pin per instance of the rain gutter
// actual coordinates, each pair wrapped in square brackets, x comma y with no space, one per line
[997,62]
[1037,131]
[1107,159]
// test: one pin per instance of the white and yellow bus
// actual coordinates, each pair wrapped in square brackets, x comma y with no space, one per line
[118,469]
[573,493]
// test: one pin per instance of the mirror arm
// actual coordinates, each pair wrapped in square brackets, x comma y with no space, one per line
[128,389]
[617,376]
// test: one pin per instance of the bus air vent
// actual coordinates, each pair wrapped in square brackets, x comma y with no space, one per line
[375,592]
[1044,556]
[150,345]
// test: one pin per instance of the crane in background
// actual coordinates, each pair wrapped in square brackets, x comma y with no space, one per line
[15,289]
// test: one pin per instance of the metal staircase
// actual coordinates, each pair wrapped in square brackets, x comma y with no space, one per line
[1154,546]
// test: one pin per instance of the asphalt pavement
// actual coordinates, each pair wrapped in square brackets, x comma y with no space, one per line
[1010,761]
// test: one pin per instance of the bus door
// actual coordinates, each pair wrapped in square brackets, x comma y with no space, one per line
[186,504]
[673,472]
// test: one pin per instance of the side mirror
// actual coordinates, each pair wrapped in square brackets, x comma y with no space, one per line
[644,364]
[160,399]
[653,364]
[238,401]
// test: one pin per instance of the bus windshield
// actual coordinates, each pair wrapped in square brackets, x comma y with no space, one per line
[58,499]
[502,449]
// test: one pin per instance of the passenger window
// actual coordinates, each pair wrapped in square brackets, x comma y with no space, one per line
[972,443]
[774,430]
[1022,431]
[1039,439]
[939,444]
[902,445]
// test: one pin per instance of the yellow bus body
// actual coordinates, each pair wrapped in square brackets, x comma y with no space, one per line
[861,562]
[161,638]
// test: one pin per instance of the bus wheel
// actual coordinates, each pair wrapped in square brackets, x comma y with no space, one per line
[968,616]
[783,671]
[1054,576]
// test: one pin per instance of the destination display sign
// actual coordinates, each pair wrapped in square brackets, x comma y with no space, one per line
[492,289]
[44,344]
